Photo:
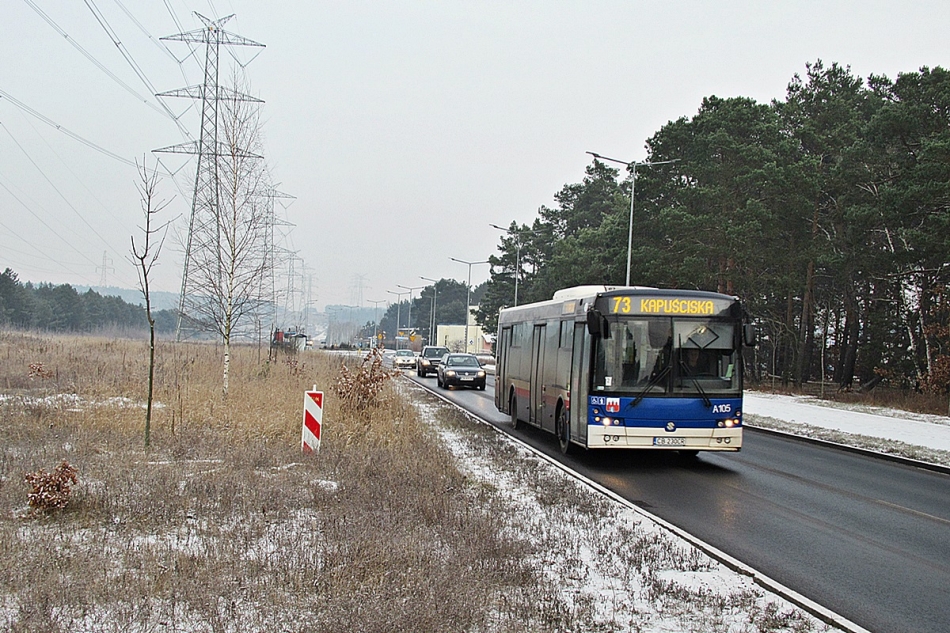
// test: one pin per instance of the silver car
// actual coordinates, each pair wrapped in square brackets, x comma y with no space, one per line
[404,359]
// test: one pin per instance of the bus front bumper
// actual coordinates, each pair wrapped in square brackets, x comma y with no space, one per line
[726,439]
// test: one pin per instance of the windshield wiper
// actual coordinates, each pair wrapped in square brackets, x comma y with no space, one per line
[650,385]
[699,388]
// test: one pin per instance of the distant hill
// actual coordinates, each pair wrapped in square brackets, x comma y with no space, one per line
[161,300]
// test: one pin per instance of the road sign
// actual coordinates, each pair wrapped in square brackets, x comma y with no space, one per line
[312,421]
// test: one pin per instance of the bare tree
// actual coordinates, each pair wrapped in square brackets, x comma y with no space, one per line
[145,257]
[230,261]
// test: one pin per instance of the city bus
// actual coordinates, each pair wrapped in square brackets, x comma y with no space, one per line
[626,368]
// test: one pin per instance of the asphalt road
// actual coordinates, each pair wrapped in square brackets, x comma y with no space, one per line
[864,537]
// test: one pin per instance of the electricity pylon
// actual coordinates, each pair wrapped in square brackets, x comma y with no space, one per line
[205,201]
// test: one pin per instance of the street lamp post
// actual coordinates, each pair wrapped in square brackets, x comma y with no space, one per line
[376,320]
[410,301]
[468,294]
[518,245]
[633,186]
[435,298]
[398,308]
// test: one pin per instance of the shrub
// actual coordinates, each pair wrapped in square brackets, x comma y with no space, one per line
[361,390]
[51,491]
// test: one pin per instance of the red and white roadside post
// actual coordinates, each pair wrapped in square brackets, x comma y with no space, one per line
[312,421]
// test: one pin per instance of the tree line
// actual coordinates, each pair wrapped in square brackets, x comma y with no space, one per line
[827,213]
[62,309]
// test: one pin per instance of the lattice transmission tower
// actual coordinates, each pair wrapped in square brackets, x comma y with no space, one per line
[205,201]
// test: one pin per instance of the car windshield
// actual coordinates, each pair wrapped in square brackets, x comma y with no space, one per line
[404,352]
[435,352]
[462,361]
[661,356]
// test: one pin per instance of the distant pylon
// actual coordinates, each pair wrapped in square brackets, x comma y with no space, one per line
[106,261]
[204,205]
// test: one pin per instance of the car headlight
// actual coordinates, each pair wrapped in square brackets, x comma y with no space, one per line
[481,374]
[449,372]
[425,362]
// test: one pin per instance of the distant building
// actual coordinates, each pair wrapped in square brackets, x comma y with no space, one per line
[453,336]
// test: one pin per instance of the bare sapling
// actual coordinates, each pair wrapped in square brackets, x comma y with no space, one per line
[145,256]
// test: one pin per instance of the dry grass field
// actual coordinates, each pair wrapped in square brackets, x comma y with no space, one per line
[222,524]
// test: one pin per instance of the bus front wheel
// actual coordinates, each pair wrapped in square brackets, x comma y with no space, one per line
[563,430]
[513,410]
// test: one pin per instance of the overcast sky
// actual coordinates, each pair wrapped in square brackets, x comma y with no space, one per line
[402,129]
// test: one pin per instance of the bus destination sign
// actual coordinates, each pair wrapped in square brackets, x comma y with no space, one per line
[682,306]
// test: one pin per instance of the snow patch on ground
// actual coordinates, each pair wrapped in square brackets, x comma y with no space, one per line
[606,562]
[71,402]
[913,435]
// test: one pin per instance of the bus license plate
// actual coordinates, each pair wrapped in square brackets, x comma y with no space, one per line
[669,441]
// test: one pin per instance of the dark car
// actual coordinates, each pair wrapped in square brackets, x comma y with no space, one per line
[462,370]
[428,360]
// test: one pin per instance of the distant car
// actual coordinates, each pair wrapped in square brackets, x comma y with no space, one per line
[428,361]
[487,361]
[404,359]
[462,370]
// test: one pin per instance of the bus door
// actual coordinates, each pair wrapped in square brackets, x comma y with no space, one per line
[537,373]
[579,381]
[501,370]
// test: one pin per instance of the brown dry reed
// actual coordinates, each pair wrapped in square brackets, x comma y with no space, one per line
[223,524]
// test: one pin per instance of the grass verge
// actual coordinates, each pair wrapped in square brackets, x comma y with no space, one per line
[224,525]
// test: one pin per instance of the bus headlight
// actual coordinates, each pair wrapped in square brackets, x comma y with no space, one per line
[728,423]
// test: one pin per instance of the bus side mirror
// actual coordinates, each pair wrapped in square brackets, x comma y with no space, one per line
[749,335]
[597,324]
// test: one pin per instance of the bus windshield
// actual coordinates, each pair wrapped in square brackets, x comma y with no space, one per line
[656,356]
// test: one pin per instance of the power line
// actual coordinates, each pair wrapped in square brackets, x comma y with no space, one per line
[151,38]
[135,67]
[42,256]
[56,189]
[95,61]
[54,124]
[69,169]
[43,222]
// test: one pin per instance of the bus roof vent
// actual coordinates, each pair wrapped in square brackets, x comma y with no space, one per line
[578,292]
[581,291]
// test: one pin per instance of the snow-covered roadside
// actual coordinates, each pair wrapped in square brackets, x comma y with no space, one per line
[913,435]
[609,564]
